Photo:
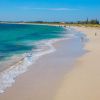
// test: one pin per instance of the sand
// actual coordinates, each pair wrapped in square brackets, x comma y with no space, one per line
[83,82]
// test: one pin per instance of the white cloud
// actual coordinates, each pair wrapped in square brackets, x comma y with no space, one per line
[52,9]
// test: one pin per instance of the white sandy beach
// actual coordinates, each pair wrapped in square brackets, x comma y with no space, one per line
[83,83]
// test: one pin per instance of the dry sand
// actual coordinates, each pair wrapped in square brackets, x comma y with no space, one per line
[83,82]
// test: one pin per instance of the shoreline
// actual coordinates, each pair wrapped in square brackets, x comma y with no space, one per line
[61,24]
[14,68]
[19,65]
[59,56]
[83,82]
[19,58]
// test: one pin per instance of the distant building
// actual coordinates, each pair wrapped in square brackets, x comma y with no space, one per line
[62,22]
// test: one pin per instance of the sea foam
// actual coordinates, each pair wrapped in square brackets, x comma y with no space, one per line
[7,78]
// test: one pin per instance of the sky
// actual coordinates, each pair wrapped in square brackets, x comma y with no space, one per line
[49,10]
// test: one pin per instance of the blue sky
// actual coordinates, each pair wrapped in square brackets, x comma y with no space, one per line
[49,10]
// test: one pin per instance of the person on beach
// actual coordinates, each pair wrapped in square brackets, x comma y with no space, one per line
[82,38]
[95,34]
[65,26]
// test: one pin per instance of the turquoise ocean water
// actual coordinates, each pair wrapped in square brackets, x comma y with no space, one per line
[18,39]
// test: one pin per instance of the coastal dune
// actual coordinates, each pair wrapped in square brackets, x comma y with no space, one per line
[83,82]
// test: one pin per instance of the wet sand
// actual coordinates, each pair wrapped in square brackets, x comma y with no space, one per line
[83,82]
[43,79]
